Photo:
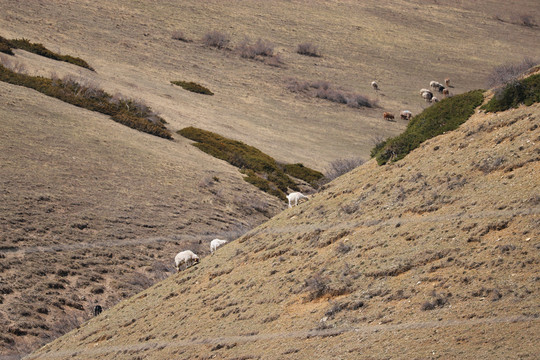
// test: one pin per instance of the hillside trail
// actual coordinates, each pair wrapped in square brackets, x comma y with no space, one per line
[360,330]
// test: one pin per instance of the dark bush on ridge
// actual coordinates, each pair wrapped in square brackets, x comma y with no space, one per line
[444,116]
[302,172]
[128,112]
[515,93]
[193,87]
[25,44]
[260,169]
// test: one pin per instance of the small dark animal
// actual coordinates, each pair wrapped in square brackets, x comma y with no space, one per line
[97,310]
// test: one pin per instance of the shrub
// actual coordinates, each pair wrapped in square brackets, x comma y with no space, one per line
[193,87]
[444,116]
[527,20]
[25,44]
[5,46]
[179,35]
[308,49]
[216,39]
[251,51]
[299,171]
[525,91]
[325,90]
[503,74]
[342,166]
[260,169]
[128,112]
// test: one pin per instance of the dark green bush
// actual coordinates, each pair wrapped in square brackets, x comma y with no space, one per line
[193,87]
[25,44]
[5,47]
[135,115]
[261,170]
[444,116]
[299,171]
[515,93]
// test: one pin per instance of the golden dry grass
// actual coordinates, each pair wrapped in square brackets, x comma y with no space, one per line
[434,256]
[111,206]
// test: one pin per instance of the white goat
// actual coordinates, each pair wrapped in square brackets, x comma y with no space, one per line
[295,196]
[214,244]
[187,257]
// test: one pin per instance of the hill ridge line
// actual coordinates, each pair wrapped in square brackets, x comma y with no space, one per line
[285,335]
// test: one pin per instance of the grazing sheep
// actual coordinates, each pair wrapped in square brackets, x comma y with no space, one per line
[374,85]
[433,84]
[434,99]
[97,310]
[447,82]
[188,257]
[295,196]
[440,88]
[214,244]
[426,95]
[388,116]
[406,115]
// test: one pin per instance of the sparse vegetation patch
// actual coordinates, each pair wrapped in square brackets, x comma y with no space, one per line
[444,116]
[193,87]
[216,39]
[308,49]
[125,111]
[36,48]
[325,90]
[515,93]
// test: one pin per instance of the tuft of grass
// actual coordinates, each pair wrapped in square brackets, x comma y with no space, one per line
[515,93]
[127,112]
[444,116]
[193,87]
[260,169]
[36,48]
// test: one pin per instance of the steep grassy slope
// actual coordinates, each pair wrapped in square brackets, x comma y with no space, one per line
[131,47]
[92,212]
[436,256]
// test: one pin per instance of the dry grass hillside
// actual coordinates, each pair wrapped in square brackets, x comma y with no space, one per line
[435,256]
[93,212]
[401,44]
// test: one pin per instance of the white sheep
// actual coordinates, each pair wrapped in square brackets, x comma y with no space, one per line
[187,257]
[214,244]
[434,99]
[374,85]
[426,95]
[295,196]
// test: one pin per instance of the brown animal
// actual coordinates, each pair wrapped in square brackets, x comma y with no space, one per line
[447,82]
[388,116]
[445,92]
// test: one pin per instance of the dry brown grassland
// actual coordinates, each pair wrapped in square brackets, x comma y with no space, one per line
[92,212]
